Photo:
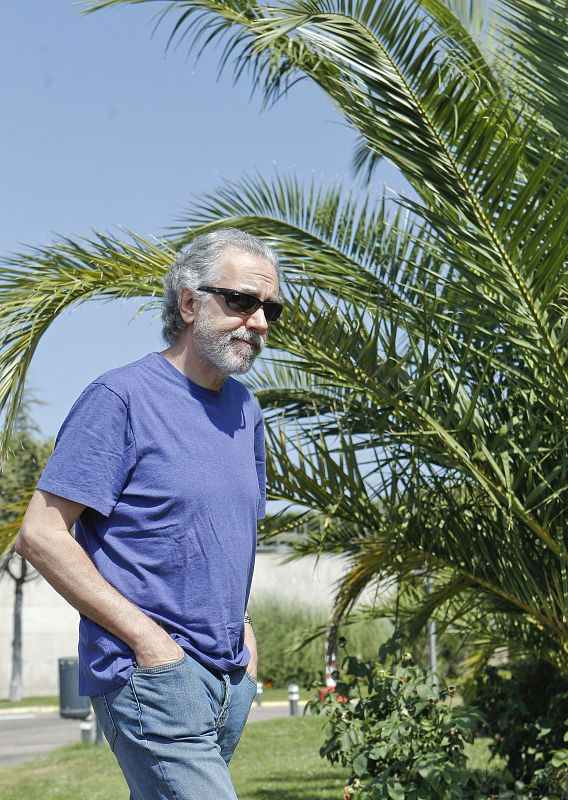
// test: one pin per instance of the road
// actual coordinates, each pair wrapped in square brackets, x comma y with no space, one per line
[26,735]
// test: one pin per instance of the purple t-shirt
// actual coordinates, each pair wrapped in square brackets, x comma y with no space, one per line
[173,477]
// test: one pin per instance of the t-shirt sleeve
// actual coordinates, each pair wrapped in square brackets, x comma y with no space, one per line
[260,457]
[94,451]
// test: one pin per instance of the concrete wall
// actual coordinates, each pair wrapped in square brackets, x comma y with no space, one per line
[49,632]
[50,624]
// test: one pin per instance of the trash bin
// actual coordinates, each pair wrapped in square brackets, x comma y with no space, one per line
[71,704]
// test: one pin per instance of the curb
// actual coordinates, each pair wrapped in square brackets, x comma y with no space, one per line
[276,703]
[4,712]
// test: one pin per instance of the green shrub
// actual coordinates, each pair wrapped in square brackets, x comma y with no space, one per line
[526,710]
[397,732]
[281,627]
[403,737]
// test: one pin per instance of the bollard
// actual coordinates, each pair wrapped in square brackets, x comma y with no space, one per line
[86,731]
[293,697]
[259,691]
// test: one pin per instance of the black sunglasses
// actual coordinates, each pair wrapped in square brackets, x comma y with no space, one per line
[246,303]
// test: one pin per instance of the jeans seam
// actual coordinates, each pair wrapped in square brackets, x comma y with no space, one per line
[222,716]
[147,743]
[138,708]
[113,726]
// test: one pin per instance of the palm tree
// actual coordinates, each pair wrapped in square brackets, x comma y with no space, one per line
[416,401]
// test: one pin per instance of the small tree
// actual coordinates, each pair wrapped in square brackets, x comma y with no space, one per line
[20,577]
[19,474]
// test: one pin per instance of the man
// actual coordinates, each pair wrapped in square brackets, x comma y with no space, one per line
[160,464]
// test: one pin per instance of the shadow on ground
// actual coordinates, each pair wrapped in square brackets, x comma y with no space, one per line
[320,785]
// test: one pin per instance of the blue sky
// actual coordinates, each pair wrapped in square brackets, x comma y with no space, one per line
[103,128]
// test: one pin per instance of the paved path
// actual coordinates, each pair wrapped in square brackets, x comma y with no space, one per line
[30,733]
[24,736]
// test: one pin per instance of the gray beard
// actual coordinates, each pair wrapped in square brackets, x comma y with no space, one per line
[222,348]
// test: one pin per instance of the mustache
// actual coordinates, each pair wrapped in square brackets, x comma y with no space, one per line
[252,337]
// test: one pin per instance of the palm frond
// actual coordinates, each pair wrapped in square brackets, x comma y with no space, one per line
[39,284]
[409,83]
[538,54]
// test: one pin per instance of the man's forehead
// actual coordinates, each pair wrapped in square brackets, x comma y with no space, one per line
[257,288]
[247,272]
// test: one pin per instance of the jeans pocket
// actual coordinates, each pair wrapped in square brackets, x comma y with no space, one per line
[251,679]
[175,700]
[159,668]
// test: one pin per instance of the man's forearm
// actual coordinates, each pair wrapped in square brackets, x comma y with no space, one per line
[66,566]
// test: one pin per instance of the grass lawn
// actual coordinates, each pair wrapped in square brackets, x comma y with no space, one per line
[276,760]
[43,700]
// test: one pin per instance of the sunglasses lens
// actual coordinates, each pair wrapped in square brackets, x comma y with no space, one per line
[248,304]
[243,303]
[272,311]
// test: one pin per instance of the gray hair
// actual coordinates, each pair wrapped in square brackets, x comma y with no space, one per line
[199,263]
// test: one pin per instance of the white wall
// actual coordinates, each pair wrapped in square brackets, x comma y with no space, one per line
[49,632]
[307,580]
[50,624]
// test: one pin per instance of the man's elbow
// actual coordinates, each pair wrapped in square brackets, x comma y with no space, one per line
[48,518]
[36,542]
[26,542]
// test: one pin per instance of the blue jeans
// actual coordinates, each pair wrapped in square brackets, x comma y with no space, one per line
[174,728]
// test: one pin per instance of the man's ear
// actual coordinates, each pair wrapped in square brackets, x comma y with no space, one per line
[187,305]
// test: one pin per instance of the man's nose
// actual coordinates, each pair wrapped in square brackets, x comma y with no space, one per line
[257,321]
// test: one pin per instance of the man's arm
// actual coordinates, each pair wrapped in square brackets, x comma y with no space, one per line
[44,540]
[250,641]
